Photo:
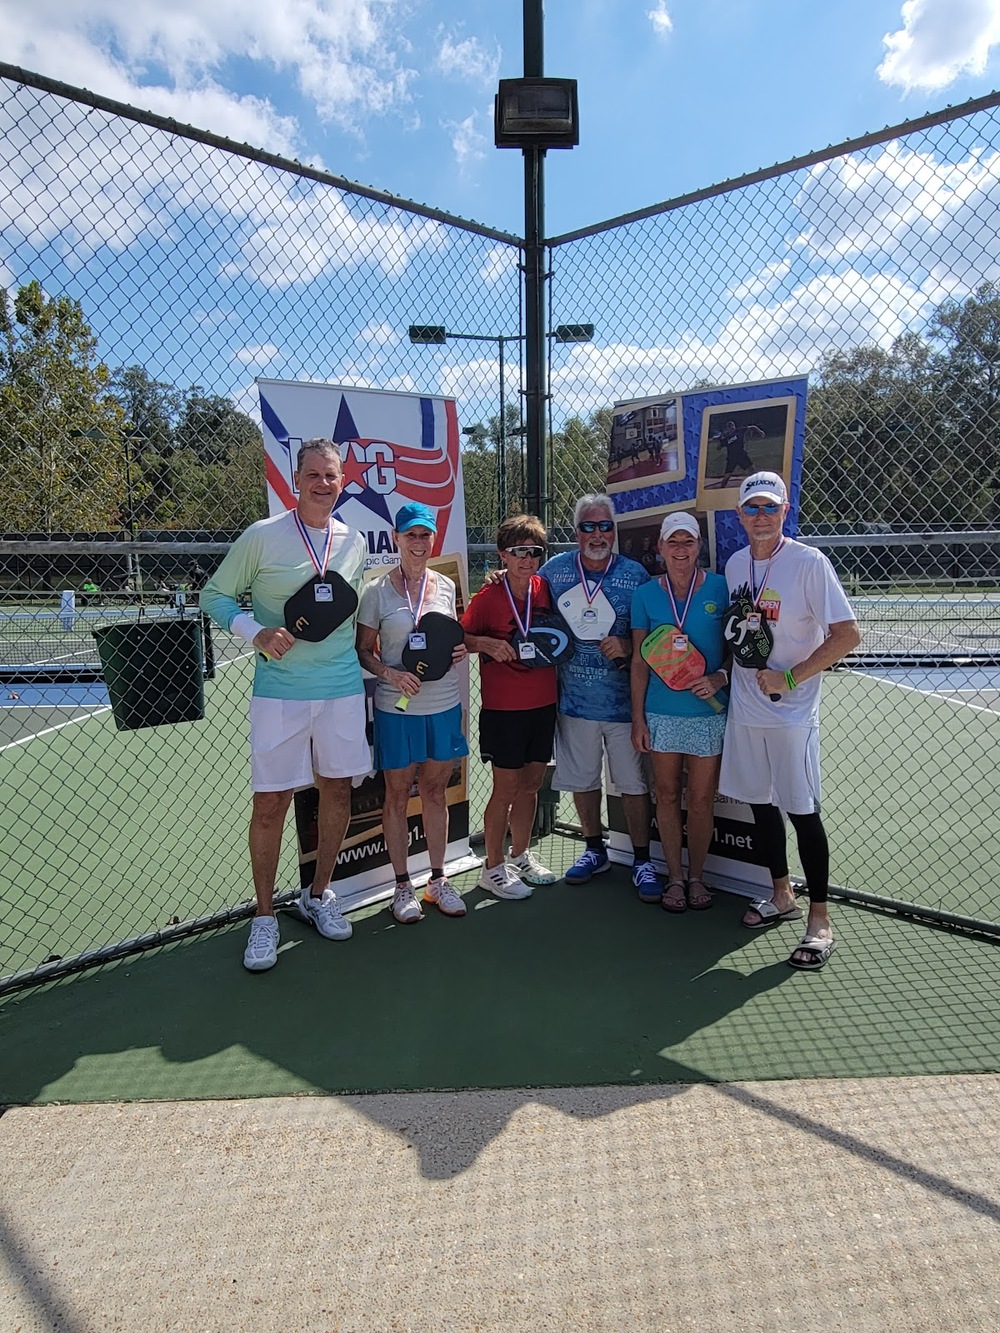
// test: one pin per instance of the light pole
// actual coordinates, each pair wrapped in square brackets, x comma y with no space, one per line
[534,114]
[423,335]
[436,335]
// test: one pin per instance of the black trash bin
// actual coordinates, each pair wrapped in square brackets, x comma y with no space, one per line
[154,671]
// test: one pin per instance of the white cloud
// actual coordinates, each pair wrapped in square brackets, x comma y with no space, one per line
[82,181]
[378,335]
[660,18]
[294,240]
[259,355]
[469,60]
[769,276]
[940,40]
[500,263]
[468,143]
[344,56]
[760,342]
[910,212]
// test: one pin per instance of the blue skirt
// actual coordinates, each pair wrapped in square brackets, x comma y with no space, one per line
[402,739]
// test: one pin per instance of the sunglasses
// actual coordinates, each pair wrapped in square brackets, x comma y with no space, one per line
[604,525]
[770,509]
[535,552]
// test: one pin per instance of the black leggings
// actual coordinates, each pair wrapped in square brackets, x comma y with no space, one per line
[814,850]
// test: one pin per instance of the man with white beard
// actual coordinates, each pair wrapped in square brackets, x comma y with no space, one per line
[592,588]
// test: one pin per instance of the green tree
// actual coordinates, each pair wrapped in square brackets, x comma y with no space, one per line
[60,428]
[579,461]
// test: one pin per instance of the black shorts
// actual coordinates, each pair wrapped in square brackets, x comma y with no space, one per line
[511,739]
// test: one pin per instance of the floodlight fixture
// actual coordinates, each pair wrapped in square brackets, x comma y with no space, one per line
[426,334]
[536,113]
[574,333]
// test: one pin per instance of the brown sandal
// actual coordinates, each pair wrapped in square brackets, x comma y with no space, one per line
[698,902]
[676,905]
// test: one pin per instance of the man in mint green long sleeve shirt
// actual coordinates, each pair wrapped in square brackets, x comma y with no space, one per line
[307,711]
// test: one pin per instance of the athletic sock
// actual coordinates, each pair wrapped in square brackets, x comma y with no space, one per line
[436,873]
[402,880]
[640,854]
[596,844]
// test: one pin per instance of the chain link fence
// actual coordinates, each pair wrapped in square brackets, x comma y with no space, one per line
[128,470]
[875,268]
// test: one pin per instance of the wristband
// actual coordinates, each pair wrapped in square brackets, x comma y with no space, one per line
[724,674]
[790,679]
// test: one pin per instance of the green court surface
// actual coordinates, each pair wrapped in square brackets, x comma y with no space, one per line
[576,986]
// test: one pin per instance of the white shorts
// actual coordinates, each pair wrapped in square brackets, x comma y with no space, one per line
[290,739]
[579,752]
[772,766]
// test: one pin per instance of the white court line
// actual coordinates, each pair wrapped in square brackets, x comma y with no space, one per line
[103,708]
[927,694]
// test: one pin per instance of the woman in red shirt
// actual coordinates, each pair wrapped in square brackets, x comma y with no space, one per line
[518,715]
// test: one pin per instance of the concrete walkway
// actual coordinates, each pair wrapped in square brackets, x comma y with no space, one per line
[824,1205]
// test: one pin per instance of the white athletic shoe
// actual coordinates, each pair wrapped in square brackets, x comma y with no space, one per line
[324,913]
[405,907]
[528,868]
[262,946]
[442,894]
[504,883]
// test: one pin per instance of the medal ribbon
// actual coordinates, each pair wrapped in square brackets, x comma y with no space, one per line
[522,625]
[304,534]
[757,589]
[679,618]
[592,596]
[420,599]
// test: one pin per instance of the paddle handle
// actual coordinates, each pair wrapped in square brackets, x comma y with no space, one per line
[402,703]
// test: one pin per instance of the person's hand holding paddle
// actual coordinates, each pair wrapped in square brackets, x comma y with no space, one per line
[274,643]
[615,650]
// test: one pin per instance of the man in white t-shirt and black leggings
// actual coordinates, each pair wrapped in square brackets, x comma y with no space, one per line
[771,756]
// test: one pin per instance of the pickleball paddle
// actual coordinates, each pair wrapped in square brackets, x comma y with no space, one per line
[432,661]
[678,668]
[319,607]
[551,636]
[748,635]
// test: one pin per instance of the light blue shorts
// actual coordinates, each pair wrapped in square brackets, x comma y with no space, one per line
[701,736]
[402,739]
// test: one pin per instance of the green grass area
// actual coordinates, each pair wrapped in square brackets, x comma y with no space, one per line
[575,986]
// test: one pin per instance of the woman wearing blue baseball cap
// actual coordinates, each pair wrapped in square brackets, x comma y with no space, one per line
[418,724]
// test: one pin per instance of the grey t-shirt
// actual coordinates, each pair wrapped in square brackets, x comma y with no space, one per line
[385,609]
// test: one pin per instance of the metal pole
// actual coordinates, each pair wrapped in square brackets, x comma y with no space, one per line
[502,459]
[535,365]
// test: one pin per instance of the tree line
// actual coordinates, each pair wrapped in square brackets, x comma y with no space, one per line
[87,448]
[901,437]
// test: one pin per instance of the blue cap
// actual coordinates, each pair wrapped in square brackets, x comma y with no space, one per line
[415,516]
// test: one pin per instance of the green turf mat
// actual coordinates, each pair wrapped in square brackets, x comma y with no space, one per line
[574,986]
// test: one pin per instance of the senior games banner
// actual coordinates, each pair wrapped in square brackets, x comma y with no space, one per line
[395,447]
[691,452]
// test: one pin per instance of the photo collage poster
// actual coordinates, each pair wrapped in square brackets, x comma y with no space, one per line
[690,452]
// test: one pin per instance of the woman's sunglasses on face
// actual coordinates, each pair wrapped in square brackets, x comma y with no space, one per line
[603,525]
[535,552]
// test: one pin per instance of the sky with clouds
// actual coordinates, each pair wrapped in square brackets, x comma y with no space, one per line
[674,95]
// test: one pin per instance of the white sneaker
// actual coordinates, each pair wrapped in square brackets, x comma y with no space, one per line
[262,946]
[442,894]
[405,907]
[504,883]
[324,913]
[529,869]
